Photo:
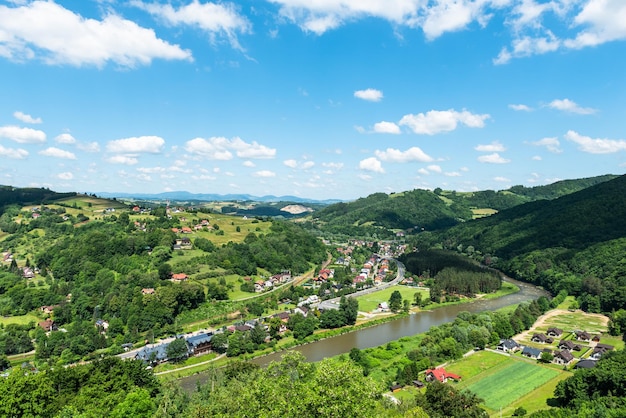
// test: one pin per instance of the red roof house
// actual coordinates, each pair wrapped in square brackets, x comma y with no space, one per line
[441,375]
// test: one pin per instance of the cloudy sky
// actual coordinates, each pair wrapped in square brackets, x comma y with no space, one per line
[313,98]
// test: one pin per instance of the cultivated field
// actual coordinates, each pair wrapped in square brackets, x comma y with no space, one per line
[369,302]
[505,383]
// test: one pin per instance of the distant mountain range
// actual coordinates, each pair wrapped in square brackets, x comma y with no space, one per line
[211,197]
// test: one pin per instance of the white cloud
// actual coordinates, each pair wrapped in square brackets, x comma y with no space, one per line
[397,156]
[452,174]
[386,128]
[147,144]
[433,17]
[494,158]
[437,121]
[89,147]
[552,144]
[520,107]
[123,159]
[567,105]
[502,179]
[218,148]
[527,46]
[58,153]
[371,95]
[434,168]
[536,158]
[264,173]
[333,166]
[213,18]
[23,117]
[249,164]
[291,163]
[65,138]
[604,21]
[57,36]
[151,170]
[307,165]
[14,153]
[65,176]
[493,147]
[596,145]
[371,164]
[365,177]
[22,135]
[423,171]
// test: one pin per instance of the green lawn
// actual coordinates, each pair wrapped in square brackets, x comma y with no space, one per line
[369,302]
[20,320]
[506,385]
[477,363]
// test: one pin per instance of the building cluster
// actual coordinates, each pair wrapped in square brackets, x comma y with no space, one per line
[563,351]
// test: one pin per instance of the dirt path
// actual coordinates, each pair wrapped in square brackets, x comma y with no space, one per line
[554,312]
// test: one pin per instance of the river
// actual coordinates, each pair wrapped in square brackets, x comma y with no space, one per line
[392,330]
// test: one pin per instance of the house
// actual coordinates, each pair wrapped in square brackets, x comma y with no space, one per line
[585,364]
[127,346]
[148,291]
[531,352]
[539,338]
[383,307]
[569,345]
[441,375]
[395,388]
[28,273]
[199,344]
[554,332]
[179,277]
[599,351]
[153,355]
[48,325]
[563,357]
[303,310]
[48,309]
[582,335]
[283,316]
[101,323]
[508,345]
[418,384]
[186,230]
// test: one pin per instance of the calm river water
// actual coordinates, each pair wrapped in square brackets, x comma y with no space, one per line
[392,330]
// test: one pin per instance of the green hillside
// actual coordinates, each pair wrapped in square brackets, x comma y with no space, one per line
[576,243]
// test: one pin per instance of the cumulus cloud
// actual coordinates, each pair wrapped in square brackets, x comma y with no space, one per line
[527,46]
[502,179]
[219,148]
[65,176]
[22,135]
[264,173]
[13,153]
[291,163]
[134,145]
[596,145]
[437,121]
[23,117]
[520,107]
[58,36]
[603,21]
[452,174]
[65,138]
[494,158]
[386,128]
[58,153]
[89,147]
[397,156]
[552,144]
[123,159]
[371,95]
[371,164]
[434,168]
[249,164]
[493,147]
[434,17]
[570,106]
[216,19]
[536,158]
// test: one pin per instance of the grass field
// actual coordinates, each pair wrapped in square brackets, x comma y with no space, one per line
[20,320]
[510,383]
[369,302]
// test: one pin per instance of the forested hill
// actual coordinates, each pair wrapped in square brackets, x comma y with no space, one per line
[27,196]
[417,208]
[576,242]
[517,195]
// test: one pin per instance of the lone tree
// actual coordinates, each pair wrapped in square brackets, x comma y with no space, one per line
[177,350]
[395,301]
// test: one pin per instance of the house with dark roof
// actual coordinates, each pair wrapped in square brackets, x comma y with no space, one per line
[441,375]
[554,332]
[508,345]
[569,345]
[563,357]
[153,355]
[531,352]
[582,335]
[542,339]
[199,344]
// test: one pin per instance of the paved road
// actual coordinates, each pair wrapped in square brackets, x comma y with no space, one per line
[334,303]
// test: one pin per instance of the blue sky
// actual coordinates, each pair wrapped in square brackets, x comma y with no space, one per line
[317,98]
